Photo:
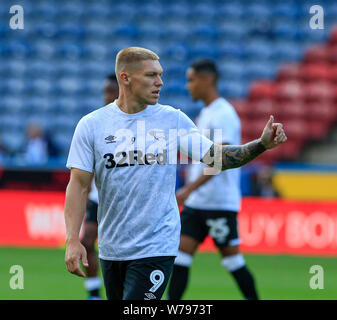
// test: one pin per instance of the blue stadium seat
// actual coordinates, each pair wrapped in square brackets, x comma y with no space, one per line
[69,50]
[14,142]
[63,142]
[174,10]
[258,10]
[286,29]
[258,50]
[231,69]
[259,69]
[230,49]
[233,30]
[233,89]
[204,11]
[202,50]
[287,9]
[230,10]
[207,32]
[126,30]
[286,51]
[176,51]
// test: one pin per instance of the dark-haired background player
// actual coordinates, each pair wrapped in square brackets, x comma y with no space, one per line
[211,202]
[92,283]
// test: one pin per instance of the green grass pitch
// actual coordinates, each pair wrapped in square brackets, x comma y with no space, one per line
[277,277]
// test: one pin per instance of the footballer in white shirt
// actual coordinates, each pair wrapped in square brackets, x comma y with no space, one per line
[131,145]
[211,202]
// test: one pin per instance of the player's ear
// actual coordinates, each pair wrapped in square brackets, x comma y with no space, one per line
[124,77]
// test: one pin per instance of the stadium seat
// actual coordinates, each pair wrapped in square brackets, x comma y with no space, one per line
[296,130]
[316,54]
[262,108]
[289,90]
[326,112]
[319,91]
[332,53]
[316,72]
[262,89]
[290,150]
[289,51]
[290,110]
[232,89]
[317,129]
[289,71]
[258,50]
[242,108]
[232,30]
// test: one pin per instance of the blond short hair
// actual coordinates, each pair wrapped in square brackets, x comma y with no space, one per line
[128,57]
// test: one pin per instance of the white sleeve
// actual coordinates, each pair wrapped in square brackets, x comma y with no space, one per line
[191,142]
[81,153]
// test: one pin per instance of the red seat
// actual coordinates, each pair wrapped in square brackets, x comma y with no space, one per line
[262,89]
[333,35]
[291,110]
[262,108]
[316,72]
[289,91]
[242,108]
[319,91]
[253,127]
[332,53]
[290,71]
[296,130]
[316,54]
[317,129]
[322,111]
[290,150]
[333,73]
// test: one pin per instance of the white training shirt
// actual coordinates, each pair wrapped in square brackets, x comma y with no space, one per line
[221,192]
[134,160]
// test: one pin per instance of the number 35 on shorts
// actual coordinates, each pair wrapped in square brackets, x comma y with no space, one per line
[218,229]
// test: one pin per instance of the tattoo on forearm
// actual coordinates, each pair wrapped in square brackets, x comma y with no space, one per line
[229,156]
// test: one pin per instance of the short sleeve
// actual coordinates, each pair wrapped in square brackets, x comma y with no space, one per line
[190,141]
[81,153]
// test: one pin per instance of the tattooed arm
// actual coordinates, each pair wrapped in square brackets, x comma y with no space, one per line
[229,156]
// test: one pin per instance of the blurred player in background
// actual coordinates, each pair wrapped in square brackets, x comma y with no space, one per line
[211,202]
[93,282]
[138,216]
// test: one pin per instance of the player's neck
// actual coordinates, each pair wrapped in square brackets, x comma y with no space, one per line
[210,97]
[129,105]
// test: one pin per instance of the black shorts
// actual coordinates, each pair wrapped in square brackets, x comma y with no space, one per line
[141,279]
[91,214]
[222,226]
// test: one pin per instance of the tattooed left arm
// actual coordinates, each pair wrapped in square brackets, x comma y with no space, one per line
[226,157]
[229,156]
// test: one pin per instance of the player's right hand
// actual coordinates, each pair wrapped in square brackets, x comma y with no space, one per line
[75,252]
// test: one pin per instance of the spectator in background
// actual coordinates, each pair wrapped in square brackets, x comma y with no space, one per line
[262,185]
[36,151]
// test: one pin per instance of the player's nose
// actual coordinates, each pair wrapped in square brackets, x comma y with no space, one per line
[159,82]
